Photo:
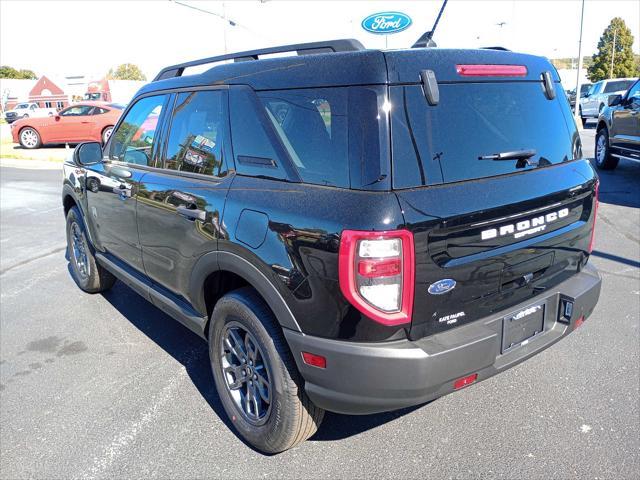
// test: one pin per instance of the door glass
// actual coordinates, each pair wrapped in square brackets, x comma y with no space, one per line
[76,111]
[197,132]
[634,96]
[133,141]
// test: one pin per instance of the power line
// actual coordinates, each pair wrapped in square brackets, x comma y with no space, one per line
[223,17]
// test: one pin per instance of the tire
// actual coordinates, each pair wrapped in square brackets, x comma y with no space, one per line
[282,416]
[29,138]
[87,273]
[604,159]
[106,133]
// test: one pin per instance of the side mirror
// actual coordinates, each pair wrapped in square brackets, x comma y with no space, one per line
[614,100]
[88,153]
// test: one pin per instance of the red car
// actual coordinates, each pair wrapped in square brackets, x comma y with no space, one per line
[86,121]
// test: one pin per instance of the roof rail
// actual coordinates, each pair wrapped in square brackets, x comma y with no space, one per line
[340,45]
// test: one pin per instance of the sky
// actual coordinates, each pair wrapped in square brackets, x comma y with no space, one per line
[63,38]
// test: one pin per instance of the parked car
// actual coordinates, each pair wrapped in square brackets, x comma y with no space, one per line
[596,98]
[87,121]
[571,94]
[27,110]
[618,129]
[351,230]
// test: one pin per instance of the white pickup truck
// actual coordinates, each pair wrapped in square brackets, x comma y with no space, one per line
[26,110]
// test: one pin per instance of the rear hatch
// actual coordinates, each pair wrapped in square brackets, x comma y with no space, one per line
[503,230]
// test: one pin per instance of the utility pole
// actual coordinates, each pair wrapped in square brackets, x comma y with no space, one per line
[613,51]
[576,110]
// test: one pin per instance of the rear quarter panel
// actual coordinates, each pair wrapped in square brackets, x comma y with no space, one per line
[296,247]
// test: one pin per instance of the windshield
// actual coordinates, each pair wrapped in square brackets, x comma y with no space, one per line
[92,96]
[22,105]
[443,143]
[618,86]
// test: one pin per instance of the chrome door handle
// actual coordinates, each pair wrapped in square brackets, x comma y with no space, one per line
[192,213]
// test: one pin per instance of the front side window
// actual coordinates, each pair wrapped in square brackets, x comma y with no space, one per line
[198,129]
[77,111]
[133,141]
[99,111]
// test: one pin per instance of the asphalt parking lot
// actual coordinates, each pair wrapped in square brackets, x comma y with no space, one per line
[107,386]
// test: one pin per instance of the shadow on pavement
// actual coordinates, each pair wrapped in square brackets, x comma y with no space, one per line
[616,258]
[192,352]
[620,186]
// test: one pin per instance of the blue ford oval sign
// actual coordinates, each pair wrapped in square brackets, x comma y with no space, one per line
[386,22]
[442,286]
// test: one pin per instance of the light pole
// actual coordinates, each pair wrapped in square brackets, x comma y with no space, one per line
[576,108]
[613,51]
[223,17]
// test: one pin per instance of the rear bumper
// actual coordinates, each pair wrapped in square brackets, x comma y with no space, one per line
[363,378]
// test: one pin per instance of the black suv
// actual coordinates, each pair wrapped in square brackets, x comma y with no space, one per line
[351,230]
[618,129]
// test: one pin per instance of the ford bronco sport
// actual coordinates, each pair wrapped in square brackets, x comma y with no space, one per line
[351,230]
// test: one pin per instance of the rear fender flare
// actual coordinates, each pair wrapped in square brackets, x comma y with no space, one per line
[231,262]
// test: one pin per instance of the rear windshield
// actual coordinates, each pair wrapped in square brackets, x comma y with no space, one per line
[443,143]
[617,86]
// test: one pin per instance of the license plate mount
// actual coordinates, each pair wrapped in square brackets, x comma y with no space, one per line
[518,328]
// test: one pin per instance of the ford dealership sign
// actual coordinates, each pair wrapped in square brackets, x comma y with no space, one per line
[386,22]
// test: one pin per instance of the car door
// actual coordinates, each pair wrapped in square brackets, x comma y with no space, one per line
[590,102]
[625,123]
[71,124]
[114,185]
[181,204]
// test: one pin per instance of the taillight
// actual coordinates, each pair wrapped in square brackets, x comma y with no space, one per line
[376,271]
[595,213]
[491,70]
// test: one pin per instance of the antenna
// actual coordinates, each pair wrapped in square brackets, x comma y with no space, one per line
[425,39]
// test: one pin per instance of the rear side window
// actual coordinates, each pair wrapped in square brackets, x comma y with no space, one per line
[312,126]
[197,132]
[327,136]
[133,141]
[443,143]
[617,86]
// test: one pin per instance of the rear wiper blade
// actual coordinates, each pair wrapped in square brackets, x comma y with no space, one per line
[515,155]
[522,157]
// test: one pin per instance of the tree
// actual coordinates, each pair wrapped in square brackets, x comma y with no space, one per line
[126,71]
[10,72]
[623,61]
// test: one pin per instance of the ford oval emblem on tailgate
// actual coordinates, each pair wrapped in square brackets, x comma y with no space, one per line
[386,22]
[442,286]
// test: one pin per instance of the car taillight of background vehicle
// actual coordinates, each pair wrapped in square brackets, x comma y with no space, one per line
[596,193]
[376,271]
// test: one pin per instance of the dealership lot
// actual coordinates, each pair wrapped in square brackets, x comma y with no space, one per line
[109,386]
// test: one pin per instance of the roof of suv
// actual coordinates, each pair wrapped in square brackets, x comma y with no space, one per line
[352,66]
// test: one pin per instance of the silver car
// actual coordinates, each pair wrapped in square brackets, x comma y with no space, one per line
[596,98]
